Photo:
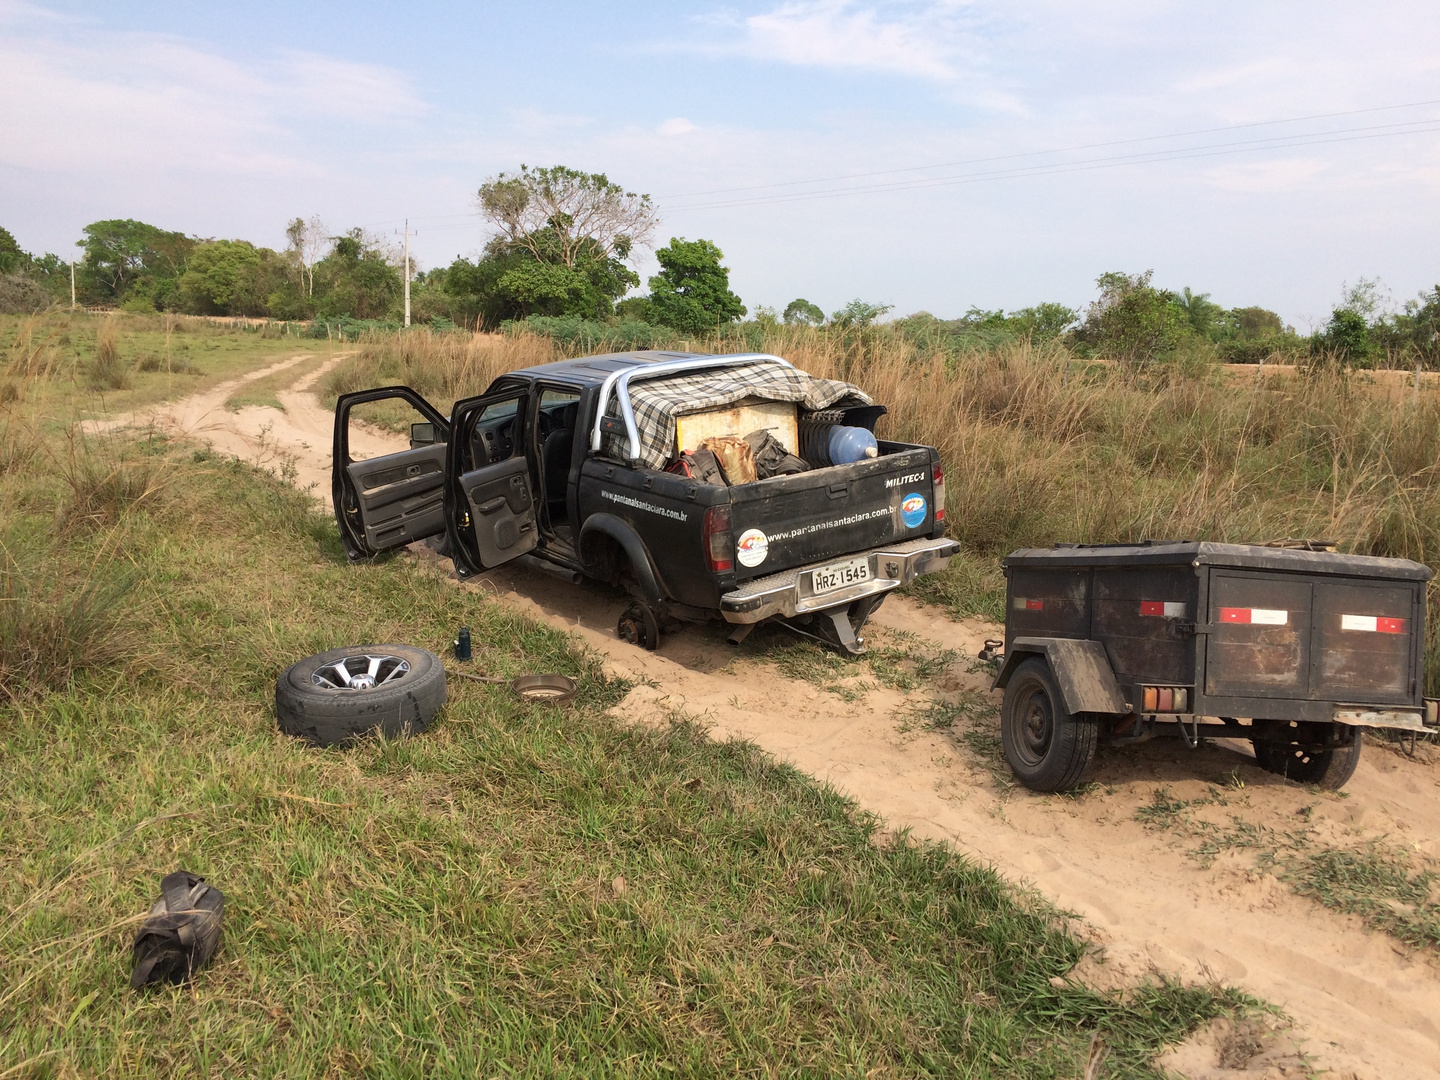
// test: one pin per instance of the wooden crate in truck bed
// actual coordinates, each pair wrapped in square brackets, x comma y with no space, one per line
[1293,649]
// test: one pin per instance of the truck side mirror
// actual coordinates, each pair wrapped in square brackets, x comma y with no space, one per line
[422,435]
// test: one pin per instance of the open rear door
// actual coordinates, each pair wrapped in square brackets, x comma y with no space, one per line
[389,500]
[490,489]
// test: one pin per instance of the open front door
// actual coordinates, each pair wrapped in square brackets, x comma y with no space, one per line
[388,500]
[490,489]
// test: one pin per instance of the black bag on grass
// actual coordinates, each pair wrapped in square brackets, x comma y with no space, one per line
[181,933]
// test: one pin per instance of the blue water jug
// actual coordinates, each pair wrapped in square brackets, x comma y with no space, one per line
[851,444]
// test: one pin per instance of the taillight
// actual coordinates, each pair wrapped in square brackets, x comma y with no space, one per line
[717,538]
[1165,699]
[937,491]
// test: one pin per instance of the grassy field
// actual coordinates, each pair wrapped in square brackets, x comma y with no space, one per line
[87,364]
[522,890]
[1040,447]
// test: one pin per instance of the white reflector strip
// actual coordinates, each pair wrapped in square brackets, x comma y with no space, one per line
[1375,624]
[1259,615]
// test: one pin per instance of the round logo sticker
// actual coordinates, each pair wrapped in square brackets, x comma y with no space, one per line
[752,547]
[912,509]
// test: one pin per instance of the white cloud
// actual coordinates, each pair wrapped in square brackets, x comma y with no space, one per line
[105,101]
[329,87]
[676,126]
[926,41]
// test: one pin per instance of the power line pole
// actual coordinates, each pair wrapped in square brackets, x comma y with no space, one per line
[407,271]
[72,284]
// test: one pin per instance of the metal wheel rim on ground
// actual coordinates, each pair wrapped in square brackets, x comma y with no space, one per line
[360,672]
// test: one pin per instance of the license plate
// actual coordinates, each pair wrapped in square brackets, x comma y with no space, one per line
[838,575]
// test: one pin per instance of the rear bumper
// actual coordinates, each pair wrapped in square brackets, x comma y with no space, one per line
[1379,716]
[788,593]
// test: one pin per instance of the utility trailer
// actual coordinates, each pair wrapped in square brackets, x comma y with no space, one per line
[1296,648]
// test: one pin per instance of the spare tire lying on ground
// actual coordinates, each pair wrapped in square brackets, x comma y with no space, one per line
[348,693]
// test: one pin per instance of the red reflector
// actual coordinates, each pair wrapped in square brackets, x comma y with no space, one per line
[1260,615]
[1034,605]
[937,493]
[1152,607]
[1390,626]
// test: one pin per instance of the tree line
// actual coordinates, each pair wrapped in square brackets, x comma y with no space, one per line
[562,246]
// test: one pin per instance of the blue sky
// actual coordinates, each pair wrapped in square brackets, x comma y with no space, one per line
[912,153]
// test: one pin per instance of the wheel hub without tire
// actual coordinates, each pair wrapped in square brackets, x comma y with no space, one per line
[360,672]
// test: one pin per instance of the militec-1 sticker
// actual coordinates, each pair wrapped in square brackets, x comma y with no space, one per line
[752,547]
[912,509]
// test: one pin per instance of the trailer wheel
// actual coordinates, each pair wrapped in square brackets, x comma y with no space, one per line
[1048,748]
[1328,769]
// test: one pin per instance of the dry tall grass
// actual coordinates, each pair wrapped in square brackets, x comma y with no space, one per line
[442,367]
[107,371]
[1040,448]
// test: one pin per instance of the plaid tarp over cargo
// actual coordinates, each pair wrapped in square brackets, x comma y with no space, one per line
[657,402]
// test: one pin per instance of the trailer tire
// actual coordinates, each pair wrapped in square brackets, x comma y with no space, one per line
[1329,769]
[1047,747]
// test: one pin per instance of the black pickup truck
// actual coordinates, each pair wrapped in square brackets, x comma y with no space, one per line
[546,468]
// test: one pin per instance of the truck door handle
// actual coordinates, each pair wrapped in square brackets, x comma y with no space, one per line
[491,506]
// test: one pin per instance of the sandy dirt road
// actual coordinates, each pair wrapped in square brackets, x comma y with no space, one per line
[1364,1005]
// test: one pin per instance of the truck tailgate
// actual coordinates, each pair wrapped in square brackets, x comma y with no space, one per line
[789,521]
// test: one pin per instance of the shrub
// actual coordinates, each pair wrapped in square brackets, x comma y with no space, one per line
[1134,322]
[1346,339]
[103,480]
[55,621]
[21,294]
[106,371]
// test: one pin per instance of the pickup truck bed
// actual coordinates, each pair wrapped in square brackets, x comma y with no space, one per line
[537,469]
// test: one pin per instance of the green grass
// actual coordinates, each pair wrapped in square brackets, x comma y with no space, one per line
[265,391]
[51,363]
[1379,882]
[522,890]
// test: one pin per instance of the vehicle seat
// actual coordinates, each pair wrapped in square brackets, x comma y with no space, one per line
[555,454]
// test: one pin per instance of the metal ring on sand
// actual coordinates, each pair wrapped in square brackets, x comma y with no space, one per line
[544,689]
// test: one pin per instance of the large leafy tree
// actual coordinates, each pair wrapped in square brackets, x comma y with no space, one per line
[562,238]
[357,279]
[803,312]
[565,216]
[692,291]
[122,253]
[11,257]
[229,277]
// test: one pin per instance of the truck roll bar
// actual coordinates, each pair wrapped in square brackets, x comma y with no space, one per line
[618,382]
